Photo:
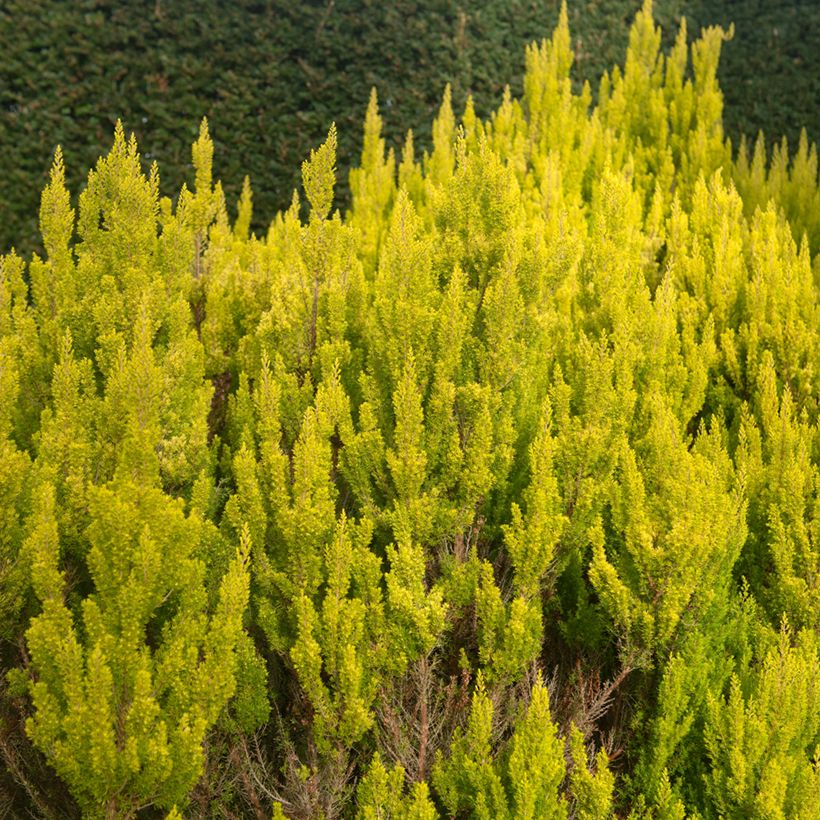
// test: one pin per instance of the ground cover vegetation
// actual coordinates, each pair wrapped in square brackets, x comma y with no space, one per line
[271,75]
[494,496]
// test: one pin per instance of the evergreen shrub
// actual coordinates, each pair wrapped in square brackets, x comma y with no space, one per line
[495,496]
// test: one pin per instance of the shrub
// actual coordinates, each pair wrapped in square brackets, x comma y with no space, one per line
[495,496]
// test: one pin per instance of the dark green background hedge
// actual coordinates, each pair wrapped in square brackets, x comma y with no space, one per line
[272,75]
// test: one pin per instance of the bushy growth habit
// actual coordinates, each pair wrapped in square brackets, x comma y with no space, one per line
[494,497]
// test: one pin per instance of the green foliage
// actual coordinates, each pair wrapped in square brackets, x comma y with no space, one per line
[381,795]
[299,69]
[762,739]
[592,790]
[111,711]
[301,523]
[523,782]
[523,779]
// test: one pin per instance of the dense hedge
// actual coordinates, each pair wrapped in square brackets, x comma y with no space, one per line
[272,75]
[496,497]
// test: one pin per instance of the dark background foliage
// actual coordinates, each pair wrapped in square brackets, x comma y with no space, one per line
[271,75]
